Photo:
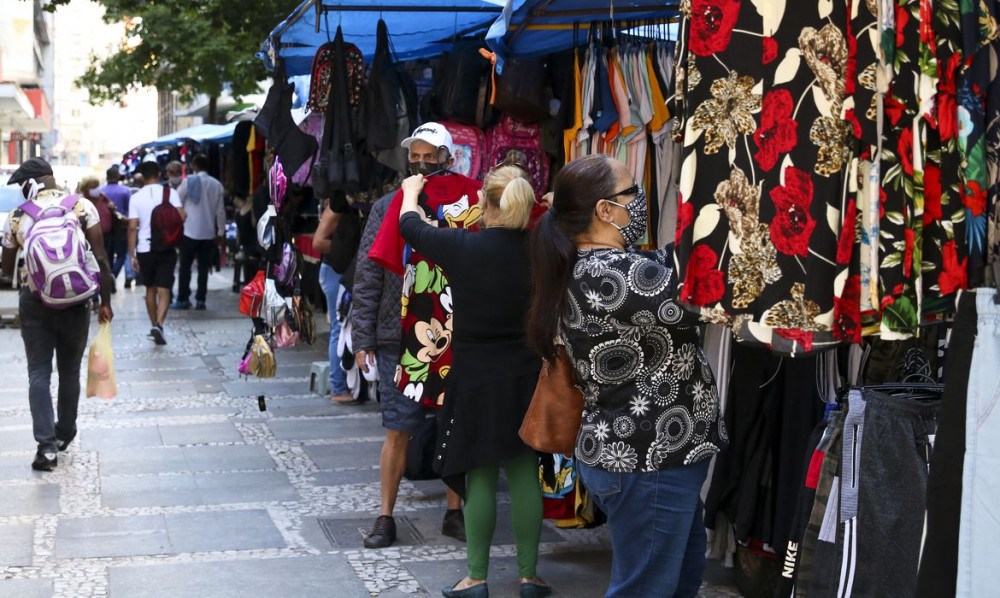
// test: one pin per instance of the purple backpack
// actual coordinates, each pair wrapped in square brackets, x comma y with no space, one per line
[284,270]
[61,270]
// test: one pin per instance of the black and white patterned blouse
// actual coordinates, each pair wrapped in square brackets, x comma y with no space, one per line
[650,400]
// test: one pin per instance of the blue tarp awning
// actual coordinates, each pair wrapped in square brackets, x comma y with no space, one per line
[215,133]
[541,27]
[425,28]
[418,28]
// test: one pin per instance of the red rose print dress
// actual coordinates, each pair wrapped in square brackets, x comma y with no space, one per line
[766,223]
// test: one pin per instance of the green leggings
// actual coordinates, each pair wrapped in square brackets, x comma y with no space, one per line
[481,513]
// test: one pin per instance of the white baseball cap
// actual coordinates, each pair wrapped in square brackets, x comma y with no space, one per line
[433,133]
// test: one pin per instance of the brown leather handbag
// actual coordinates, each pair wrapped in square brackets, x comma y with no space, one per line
[553,418]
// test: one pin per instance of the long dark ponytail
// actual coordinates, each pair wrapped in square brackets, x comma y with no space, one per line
[577,188]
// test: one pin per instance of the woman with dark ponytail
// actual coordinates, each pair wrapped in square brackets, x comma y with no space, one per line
[651,410]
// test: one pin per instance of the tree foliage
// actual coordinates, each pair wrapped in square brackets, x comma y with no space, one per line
[186,46]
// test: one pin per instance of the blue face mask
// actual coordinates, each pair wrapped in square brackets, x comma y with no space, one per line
[637,214]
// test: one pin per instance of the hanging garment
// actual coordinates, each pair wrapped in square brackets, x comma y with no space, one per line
[980,527]
[570,135]
[772,407]
[762,252]
[426,315]
[939,561]
[391,105]
[870,544]
[275,121]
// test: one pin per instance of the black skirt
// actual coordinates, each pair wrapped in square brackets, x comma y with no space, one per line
[485,402]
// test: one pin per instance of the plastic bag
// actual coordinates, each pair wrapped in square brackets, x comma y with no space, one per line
[101,381]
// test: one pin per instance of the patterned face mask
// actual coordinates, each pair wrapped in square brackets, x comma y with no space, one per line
[636,227]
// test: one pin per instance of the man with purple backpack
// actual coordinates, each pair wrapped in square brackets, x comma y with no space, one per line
[65,265]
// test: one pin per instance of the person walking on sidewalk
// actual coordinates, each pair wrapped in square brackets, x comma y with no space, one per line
[45,330]
[651,408]
[204,228]
[154,266]
[494,372]
[119,196]
[376,336]
[336,238]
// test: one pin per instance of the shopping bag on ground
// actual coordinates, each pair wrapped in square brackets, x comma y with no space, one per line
[101,380]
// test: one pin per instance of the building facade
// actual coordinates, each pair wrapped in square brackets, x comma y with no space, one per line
[26,82]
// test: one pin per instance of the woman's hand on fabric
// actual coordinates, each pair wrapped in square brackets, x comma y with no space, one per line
[413,185]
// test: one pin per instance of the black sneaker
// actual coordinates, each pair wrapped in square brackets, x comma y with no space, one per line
[180,305]
[383,534]
[64,444]
[45,462]
[200,306]
[453,525]
[129,283]
[157,334]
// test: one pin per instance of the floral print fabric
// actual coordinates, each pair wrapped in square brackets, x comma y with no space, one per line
[650,399]
[840,171]
[763,99]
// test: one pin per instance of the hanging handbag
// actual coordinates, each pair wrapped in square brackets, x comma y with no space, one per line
[552,421]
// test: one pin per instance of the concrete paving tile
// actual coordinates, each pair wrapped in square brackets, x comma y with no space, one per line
[571,574]
[353,427]
[348,476]
[16,542]
[161,363]
[122,492]
[199,434]
[147,461]
[26,588]
[92,537]
[164,390]
[17,468]
[328,575]
[15,420]
[121,438]
[354,454]
[239,457]
[270,388]
[166,411]
[226,530]
[17,440]
[36,499]
[319,406]
[257,486]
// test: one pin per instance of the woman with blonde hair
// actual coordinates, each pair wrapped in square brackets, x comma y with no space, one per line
[493,371]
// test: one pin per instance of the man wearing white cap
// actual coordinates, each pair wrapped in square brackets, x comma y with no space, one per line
[412,345]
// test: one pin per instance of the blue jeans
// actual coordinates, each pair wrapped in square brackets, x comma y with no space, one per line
[330,281]
[980,526]
[657,529]
[191,250]
[47,332]
[119,258]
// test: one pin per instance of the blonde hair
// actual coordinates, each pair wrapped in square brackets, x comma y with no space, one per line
[508,194]
[87,181]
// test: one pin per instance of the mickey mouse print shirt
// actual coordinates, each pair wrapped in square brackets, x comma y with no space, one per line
[427,326]
[650,399]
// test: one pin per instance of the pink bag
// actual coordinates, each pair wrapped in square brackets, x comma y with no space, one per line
[510,134]
[277,183]
[470,149]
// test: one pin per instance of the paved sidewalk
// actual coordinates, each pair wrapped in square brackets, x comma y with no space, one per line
[181,487]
